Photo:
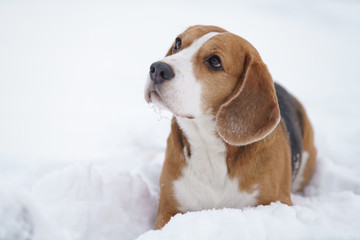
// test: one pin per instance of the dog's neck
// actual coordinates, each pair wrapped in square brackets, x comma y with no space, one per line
[205,143]
[200,129]
[205,182]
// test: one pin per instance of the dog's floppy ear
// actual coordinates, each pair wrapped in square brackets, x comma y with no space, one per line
[252,111]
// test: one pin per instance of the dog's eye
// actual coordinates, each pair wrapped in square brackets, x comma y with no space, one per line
[214,63]
[177,45]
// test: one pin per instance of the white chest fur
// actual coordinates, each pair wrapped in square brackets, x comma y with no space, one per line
[205,183]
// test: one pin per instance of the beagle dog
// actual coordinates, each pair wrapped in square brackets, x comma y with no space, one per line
[237,138]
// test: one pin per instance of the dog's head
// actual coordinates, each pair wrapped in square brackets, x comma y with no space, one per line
[209,71]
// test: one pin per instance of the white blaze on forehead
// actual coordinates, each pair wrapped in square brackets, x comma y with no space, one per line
[183,93]
[197,43]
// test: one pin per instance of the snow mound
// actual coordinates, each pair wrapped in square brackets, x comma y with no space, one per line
[92,202]
[83,201]
[22,219]
[15,219]
[335,216]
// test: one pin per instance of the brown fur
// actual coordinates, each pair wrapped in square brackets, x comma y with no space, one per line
[174,162]
[243,95]
[242,120]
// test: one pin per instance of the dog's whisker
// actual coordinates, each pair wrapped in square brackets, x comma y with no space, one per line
[161,114]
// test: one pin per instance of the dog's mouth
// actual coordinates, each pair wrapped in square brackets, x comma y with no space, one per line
[153,96]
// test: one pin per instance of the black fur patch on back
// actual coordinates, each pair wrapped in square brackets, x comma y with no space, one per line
[291,114]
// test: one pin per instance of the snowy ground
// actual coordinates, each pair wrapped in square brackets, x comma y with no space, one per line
[81,152]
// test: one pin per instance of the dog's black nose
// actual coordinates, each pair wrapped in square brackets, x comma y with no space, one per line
[159,72]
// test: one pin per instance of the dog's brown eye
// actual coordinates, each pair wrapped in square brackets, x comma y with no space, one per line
[177,45]
[214,63]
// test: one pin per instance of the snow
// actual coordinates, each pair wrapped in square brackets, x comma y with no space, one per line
[81,151]
[332,216]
